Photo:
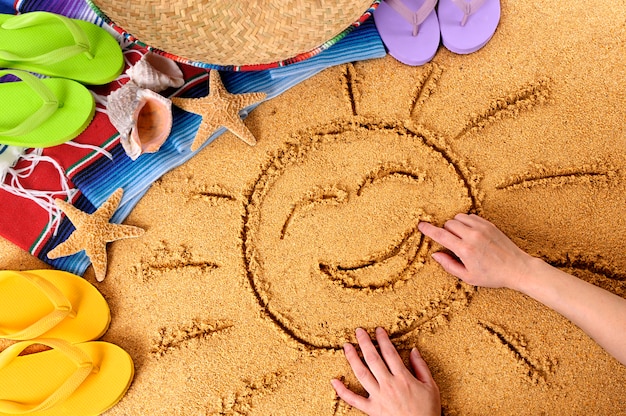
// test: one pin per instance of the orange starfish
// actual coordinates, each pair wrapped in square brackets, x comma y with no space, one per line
[93,232]
[219,109]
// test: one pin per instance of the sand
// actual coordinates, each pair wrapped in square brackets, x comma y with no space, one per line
[258,262]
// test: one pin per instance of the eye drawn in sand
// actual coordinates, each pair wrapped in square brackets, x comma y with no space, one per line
[164,260]
[532,368]
[324,256]
[390,171]
[313,198]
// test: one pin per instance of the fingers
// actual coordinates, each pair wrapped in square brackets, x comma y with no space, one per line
[371,356]
[349,396]
[389,387]
[361,372]
[389,352]
[457,227]
[422,372]
[474,220]
[440,235]
[458,233]
[467,219]
[450,264]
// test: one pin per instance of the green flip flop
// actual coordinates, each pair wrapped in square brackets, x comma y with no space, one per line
[43,112]
[54,45]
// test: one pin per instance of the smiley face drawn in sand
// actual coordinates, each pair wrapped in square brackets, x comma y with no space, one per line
[324,255]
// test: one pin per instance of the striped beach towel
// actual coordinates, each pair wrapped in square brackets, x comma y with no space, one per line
[87,170]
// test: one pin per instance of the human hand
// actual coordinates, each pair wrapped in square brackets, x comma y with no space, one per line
[486,257]
[392,389]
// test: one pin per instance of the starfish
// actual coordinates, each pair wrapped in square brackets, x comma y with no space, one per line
[93,232]
[219,109]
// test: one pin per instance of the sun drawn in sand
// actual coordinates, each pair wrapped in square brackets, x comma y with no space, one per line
[351,239]
[324,256]
[329,237]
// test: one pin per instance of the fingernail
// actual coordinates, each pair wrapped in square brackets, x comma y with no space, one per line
[415,352]
[359,330]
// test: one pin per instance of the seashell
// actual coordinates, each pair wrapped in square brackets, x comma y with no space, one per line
[142,117]
[156,73]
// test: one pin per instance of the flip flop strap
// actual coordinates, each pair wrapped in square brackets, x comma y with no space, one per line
[62,308]
[84,367]
[468,7]
[81,41]
[415,18]
[49,106]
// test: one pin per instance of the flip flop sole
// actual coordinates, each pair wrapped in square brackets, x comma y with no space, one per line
[107,62]
[397,34]
[478,29]
[18,101]
[29,379]
[22,304]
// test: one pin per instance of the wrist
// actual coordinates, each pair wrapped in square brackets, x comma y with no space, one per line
[525,276]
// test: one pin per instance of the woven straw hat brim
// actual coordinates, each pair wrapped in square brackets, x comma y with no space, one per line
[233,33]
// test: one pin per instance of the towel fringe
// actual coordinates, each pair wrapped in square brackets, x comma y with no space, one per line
[11,183]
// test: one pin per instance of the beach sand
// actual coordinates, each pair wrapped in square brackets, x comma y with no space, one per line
[258,262]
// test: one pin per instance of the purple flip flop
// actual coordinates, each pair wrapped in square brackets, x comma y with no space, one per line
[409,29]
[467,25]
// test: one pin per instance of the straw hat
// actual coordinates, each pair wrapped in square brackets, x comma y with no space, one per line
[236,32]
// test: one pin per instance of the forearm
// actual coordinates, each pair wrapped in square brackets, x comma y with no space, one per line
[599,313]
[488,258]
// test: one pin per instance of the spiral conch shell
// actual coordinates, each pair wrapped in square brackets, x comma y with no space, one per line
[142,117]
[156,73]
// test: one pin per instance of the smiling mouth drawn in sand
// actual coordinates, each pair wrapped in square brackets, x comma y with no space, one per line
[378,270]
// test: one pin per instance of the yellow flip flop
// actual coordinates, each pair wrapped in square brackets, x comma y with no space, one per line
[70,379]
[51,304]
